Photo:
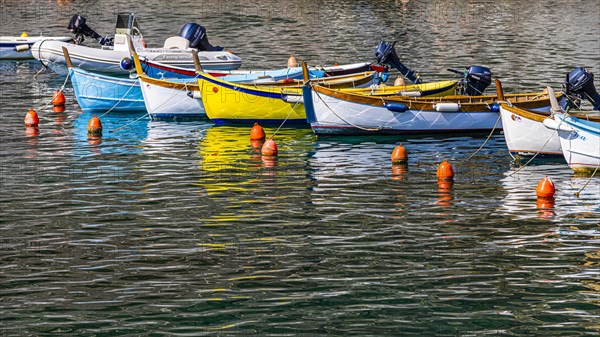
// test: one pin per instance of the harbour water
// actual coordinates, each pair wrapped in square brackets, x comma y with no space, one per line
[181,229]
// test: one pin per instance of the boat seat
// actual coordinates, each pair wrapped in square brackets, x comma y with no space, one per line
[177,42]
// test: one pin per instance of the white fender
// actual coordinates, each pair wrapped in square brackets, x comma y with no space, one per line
[22,47]
[293,99]
[554,125]
[409,93]
[446,107]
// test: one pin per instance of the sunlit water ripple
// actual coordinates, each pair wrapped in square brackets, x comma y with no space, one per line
[181,228]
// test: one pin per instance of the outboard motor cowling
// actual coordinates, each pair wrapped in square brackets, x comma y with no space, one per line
[580,83]
[386,54]
[78,27]
[196,34]
[477,79]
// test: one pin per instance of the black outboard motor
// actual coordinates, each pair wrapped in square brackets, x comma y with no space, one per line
[477,78]
[196,34]
[386,54]
[580,83]
[79,28]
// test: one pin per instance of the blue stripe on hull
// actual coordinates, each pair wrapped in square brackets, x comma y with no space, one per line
[167,116]
[262,122]
[352,131]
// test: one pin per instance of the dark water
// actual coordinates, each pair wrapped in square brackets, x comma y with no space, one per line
[164,228]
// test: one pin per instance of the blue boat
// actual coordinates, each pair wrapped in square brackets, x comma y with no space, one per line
[100,93]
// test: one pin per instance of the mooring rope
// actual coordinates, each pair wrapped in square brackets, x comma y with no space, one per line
[62,87]
[587,182]
[285,119]
[488,137]
[118,101]
[344,120]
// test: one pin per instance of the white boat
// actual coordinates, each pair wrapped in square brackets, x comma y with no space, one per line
[337,112]
[19,47]
[177,50]
[579,140]
[169,99]
[526,134]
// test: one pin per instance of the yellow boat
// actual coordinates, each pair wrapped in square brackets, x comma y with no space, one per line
[234,103]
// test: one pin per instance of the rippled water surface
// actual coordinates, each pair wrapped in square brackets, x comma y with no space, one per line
[180,228]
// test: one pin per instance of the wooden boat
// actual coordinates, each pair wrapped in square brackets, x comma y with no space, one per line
[167,99]
[336,112]
[525,131]
[579,140]
[19,47]
[160,70]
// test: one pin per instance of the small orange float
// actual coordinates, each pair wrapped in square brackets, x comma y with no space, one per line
[292,62]
[95,126]
[31,118]
[545,188]
[58,99]
[399,155]
[257,132]
[269,148]
[445,171]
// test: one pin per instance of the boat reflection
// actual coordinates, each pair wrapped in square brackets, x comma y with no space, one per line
[229,161]
[522,202]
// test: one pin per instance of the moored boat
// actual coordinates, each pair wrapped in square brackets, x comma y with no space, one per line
[19,47]
[342,113]
[177,50]
[579,141]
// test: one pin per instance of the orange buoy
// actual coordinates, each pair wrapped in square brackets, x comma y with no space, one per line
[257,132]
[336,64]
[292,62]
[95,126]
[545,188]
[31,118]
[399,82]
[269,148]
[58,99]
[399,155]
[445,171]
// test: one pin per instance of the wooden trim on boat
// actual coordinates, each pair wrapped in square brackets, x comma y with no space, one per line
[540,116]
[467,103]
[191,85]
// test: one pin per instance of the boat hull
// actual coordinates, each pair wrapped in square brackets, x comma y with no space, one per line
[107,61]
[238,104]
[580,147]
[526,135]
[170,100]
[99,93]
[333,112]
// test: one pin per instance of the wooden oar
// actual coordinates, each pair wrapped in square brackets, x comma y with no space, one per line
[196,61]
[67,57]
[555,108]
[136,60]
[499,91]
[305,75]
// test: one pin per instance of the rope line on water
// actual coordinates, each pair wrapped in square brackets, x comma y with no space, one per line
[118,101]
[488,138]
[285,120]
[587,182]
[62,88]
[344,120]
